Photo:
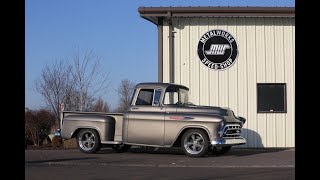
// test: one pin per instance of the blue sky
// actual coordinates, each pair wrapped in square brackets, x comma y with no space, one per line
[126,43]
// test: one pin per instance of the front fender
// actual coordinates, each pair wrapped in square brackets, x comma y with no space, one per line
[184,129]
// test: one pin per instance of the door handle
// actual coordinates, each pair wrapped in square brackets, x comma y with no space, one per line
[135,108]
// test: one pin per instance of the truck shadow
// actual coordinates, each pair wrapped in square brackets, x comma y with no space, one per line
[253,146]
[146,150]
[153,150]
[232,152]
[250,151]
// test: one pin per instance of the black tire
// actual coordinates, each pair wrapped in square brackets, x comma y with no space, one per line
[88,141]
[199,144]
[219,150]
[120,148]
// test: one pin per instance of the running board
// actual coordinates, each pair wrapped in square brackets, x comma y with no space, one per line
[111,142]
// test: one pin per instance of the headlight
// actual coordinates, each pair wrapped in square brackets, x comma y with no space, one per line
[243,120]
[221,127]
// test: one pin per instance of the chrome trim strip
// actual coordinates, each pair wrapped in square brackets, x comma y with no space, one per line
[228,141]
[111,142]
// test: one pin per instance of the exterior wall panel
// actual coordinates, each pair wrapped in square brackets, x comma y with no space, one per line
[289,38]
[194,64]
[223,75]
[270,78]
[266,55]
[280,78]
[242,75]
[166,67]
[204,71]
[213,75]
[252,81]
[261,77]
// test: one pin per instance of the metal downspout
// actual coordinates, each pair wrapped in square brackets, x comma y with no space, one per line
[171,48]
[160,50]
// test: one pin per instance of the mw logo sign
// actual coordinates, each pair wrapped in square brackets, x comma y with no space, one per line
[217,49]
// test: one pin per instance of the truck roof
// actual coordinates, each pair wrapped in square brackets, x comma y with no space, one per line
[154,84]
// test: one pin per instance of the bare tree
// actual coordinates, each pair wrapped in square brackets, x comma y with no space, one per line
[90,80]
[38,124]
[101,106]
[76,85]
[55,85]
[125,92]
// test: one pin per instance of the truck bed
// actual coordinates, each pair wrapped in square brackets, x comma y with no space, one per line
[117,116]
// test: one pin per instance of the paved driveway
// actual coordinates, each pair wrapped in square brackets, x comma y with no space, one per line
[141,163]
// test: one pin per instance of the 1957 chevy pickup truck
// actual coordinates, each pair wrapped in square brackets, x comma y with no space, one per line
[160,115]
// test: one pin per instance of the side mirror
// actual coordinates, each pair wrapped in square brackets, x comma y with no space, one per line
[156,103]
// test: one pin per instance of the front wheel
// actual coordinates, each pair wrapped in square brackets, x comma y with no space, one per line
[195,142]
[219,150]
[120,148]
[88,141]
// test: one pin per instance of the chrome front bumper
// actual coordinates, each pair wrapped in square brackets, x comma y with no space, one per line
[228,141]
[57,133]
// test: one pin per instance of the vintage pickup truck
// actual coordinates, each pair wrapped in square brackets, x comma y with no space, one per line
[160,115]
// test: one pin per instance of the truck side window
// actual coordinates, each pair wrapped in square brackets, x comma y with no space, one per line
[171,95]
[145,97]
[156,97]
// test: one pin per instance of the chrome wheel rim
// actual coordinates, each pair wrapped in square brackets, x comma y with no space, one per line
[194,143]
[87,140]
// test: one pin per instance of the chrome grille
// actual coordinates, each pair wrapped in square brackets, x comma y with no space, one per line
[232,130]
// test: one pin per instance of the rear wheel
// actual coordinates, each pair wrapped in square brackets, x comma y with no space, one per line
[120,148]
[88,141]
[195,142]
[219,150]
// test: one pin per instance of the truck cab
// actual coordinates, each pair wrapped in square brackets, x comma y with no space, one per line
[160,115]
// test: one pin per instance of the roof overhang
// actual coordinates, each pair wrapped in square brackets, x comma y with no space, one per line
[153,14]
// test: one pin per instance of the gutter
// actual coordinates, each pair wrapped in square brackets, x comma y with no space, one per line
[150,12]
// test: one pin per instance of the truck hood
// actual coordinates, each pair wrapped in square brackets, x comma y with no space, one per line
[205,109]
[227,113]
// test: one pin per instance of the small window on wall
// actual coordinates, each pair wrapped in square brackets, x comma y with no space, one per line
[272,98]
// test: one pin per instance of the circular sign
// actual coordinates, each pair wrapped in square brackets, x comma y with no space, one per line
[217,49]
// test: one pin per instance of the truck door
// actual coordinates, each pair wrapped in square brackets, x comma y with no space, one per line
[146,122]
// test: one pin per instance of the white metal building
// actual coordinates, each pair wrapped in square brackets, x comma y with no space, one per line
[259,85]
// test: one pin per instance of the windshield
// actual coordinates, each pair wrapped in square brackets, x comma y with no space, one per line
[176,95]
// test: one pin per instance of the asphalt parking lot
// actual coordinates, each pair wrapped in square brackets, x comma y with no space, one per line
[142,163]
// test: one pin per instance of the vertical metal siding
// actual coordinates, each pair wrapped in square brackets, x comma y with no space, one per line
[213,75]
[252,81]
[289,38]
[280,78]
[270,77]
[242,74]
[223,75]
[203,70]
[194,63]
[233,73]
[261,77]
[266,55]
[166,67]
